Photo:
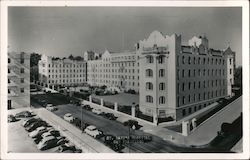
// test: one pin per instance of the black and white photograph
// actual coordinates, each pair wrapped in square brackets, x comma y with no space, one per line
[124,79]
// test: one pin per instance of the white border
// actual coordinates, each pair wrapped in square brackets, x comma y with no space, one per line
[245,55]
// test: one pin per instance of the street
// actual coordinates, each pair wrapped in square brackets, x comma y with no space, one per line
[157,145]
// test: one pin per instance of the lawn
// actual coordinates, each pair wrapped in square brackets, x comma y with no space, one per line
[124,99]
[54,98]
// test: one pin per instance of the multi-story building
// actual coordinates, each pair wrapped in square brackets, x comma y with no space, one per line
[178,80]
[18,80]
[64,72]
[173,80]
[113,70]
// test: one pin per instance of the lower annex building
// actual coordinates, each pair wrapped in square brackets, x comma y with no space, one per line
[172,79]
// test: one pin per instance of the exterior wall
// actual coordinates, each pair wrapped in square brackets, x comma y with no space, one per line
[165,47]
[18,80]
[62,72]
[230,73]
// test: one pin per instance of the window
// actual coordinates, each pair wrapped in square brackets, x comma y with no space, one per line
[22,90]
[189,60]
[183,60]
[149,99]
[183,73]
[149,86]
[189,110]
[183,112]
[8,80]
[161,73]
[149,73]
[22,80]
[162,86]
[189,85]
[230,61]
[9,60]
[183,100]
[22,70]
[183,86]
[230,71]
[161,59]
[8,91]
[189,73]
[162,100]
[150,59]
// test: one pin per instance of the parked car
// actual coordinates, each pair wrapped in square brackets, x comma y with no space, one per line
[110,116]
[50,107]
[87,107]
[61,140]
[97,111]
[132,124]
[11,118]
[68,148]
[35,125]
[54,132]
[29,121]
[47,142]
[23,114]
[93,131]
[68,117]
[37,131]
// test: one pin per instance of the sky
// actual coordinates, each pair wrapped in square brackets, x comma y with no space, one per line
[61,31]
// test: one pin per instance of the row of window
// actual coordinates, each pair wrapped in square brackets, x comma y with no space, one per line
[120,57]
[199,60]
[65,76]
[195,108]
[116,64]
[114,76]
[113,82]
[199,84]
[200,72]
[198,97]
[21,80]
[149,86]
[150,59]
[121,70]
[21,90]
[21,70]
[66,65]
[149,73]
[150,99]
[67,71]
[67,81]
[21,59]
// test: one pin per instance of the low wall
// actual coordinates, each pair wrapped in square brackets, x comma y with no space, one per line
[124,114]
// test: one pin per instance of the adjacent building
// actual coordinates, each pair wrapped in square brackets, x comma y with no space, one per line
[18,80]
[63,72]
[117,70]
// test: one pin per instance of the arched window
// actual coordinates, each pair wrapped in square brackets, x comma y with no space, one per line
[161,73]
[150,59]
[162,86]
[149,99]
[162,100]
[149,73]
[149,86]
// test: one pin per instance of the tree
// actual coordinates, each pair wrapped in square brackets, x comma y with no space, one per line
[34,58]
[238,77]
[71,57]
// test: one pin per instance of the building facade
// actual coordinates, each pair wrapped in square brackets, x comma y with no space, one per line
[63,72]
[119,70]
[178,80]
[18,80]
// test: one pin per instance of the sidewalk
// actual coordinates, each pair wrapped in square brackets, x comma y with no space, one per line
[84,141]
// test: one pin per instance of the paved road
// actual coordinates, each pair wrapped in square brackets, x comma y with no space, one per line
[207,131]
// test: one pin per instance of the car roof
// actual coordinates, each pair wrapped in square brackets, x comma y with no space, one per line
[48,138]
[46,134]
[40,128]
[91,127]
[68,114]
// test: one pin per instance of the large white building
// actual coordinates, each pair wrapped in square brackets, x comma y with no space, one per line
[178,80]
[64,72]
[18,80]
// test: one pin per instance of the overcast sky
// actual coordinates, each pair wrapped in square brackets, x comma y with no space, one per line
[60,31]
